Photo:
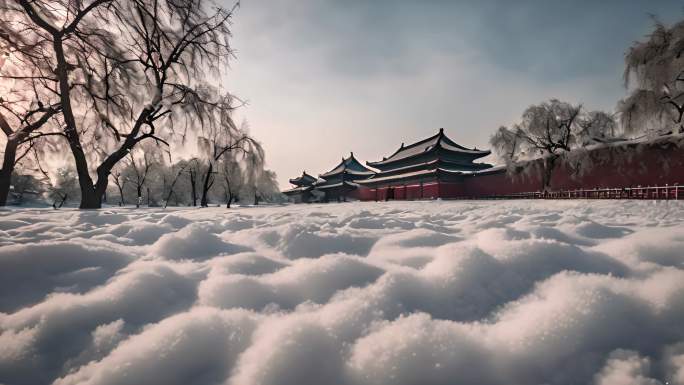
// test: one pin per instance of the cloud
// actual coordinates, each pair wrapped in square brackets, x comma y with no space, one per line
[625,367]
[365,76]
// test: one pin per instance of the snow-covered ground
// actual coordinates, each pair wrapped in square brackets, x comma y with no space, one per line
[481,292]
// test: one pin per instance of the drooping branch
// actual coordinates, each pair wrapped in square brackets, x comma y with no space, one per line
[550,129]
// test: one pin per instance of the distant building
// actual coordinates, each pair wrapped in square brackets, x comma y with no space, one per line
[437,167]
[430,168]
[341,183]
[302,192]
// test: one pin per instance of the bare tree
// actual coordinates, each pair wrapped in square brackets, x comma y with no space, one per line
[29,107]
[654,71]
[181,167]
[223,139]
[120,183]
[140,167]
[233,179]
[127,71]
[549,130]
[193,171]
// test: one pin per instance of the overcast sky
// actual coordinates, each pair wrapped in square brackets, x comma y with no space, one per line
[324,78]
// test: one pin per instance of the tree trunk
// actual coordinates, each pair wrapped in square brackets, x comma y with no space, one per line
[549,165]
[139,200]
[205,186]
[8,164]
[89,198]
[121,195]
[194,188]
[62,199]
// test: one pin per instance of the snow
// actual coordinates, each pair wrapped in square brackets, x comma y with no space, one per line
[441,292]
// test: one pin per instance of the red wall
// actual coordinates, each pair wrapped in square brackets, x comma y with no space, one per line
[430,190]
[653,163]
[413,192]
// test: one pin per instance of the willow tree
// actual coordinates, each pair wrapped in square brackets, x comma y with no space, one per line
[224,141]
[128,71]
[29,105]
[549,130]
[232,178]
[654,74]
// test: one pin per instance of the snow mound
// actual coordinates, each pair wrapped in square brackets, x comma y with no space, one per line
[195,241]
[313,241]
[159,355]
[490,292]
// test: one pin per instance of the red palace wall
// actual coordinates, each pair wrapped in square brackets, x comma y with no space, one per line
[410,191]
[652,163]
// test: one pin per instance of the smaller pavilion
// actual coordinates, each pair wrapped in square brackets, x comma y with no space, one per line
[341,183]
[302,192]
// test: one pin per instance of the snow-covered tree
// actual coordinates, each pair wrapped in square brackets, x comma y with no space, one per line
[226,139]
[125,72]
[654,74]
[548,130]
[267,187]
[64,187]
[140,164]
[26,188]
[232,178]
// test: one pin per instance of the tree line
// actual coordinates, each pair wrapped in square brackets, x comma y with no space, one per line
[117,84]
[654,107]
[153,180]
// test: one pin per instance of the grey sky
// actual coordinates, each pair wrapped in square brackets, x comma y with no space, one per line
[323,78]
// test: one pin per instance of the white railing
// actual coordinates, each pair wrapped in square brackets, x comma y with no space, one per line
[665,192]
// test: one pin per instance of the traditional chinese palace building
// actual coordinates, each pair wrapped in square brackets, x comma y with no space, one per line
[430,168]
[302,192]
[438,167]
[434,167]
[342,182]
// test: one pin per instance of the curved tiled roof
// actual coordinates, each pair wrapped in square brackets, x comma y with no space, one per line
[304,179]
[426,145]
[349,165]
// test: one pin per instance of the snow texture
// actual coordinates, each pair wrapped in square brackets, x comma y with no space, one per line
[478,292]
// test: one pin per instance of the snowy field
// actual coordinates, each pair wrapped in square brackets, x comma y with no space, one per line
[517,292]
